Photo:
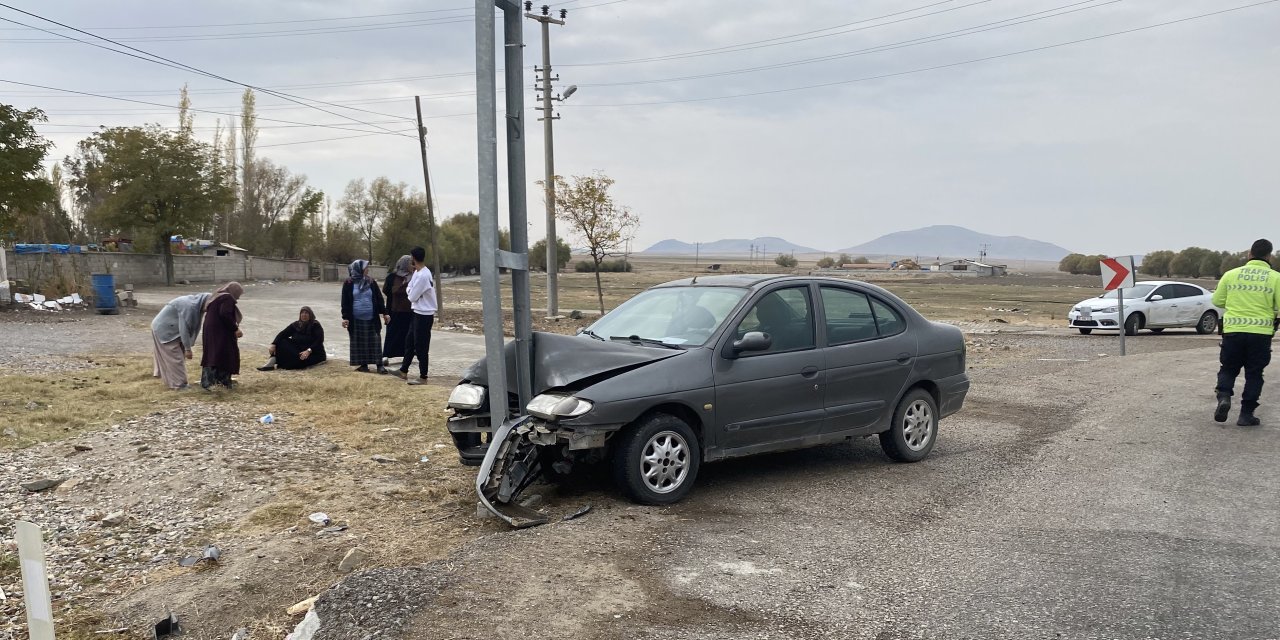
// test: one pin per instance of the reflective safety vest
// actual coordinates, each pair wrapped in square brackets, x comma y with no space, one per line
[1251,296]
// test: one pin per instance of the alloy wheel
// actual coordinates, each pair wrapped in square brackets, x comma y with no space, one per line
[917,425]
[664,462]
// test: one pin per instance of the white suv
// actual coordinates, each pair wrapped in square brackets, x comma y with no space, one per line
[1155,305]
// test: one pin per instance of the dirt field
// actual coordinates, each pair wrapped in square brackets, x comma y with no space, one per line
[1077,495]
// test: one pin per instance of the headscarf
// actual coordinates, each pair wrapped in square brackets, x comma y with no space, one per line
[233,289]
[358,279]
[403,265]
[311,318]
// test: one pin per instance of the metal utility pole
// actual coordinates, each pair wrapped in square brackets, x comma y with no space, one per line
[433,231]
[553,246]
[697,253]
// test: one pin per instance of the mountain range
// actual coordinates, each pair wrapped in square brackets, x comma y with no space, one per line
[928,243]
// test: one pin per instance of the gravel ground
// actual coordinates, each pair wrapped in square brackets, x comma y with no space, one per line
[35,342]
[1078,495]
[172,479]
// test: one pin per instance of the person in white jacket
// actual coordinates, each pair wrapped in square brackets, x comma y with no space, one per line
[422,296]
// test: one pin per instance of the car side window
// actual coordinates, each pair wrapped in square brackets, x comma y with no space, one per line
[1167,291]
[1188,291]
[849,316]
[888,320]
[786,315]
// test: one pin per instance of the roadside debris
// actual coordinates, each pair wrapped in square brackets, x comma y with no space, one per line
[240,634]
[381,459]
[168,626]
[306,630]
[267,419]
[211,555]
[302,607]
[114,519]
[320,518]
[510,466]
[578,514]
[40,303]
[331,531]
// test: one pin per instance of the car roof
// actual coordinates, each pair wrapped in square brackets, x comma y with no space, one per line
[1163,282]
[750,280]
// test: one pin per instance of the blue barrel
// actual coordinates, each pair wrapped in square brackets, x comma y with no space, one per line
[104,293]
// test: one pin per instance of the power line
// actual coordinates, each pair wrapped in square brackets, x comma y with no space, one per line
[195,109]
[932,68]
[773,42]
[249,24]
[949,35]
[163,61]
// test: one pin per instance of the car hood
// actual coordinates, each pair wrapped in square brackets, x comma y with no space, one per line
[1103,302]
[561,361]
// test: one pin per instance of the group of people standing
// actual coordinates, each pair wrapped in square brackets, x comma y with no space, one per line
[406,305]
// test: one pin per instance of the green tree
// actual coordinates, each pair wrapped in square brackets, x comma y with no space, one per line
[1190,262]
[23,187]
[861,260]
[303,223]
[1232,261]
[844,259]
[460,242]
[405,223]
[538,254]
[603,225]
[151,180]
[826,262]
[1157,263]
[784,260]
[1070,263]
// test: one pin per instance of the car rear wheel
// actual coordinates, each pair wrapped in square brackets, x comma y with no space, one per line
[1208,323]
[1085,331]
[1132,324]
[914,430]
[656,460]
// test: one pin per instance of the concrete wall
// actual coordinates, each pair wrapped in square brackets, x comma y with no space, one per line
[278,269]
[59,274]
[334,272]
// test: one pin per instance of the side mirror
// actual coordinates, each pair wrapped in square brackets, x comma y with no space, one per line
[1156,298]
[753,341]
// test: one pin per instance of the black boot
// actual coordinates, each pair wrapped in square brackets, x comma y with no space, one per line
[1247,419]
[1223,408]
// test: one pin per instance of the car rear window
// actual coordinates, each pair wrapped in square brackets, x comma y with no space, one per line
[849,316]
[888,320]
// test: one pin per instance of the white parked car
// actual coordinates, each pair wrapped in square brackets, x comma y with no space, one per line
[1156,305]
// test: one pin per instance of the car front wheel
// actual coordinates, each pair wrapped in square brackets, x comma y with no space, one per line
[656,460]
[914,430]
[1085,331]
[1208,323]
[1132,324]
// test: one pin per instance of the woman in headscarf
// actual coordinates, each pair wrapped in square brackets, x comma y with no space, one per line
[173,332]
[299,345]
[396,288]
[362,306]
[221,358]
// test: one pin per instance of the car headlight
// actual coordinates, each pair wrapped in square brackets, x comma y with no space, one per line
[550,406]
[467,396]
[1108,310]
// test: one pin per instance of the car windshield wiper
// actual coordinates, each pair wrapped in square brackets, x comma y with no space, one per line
[647,341]
[588,332]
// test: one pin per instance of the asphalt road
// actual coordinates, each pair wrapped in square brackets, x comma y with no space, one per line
[268,308]
[1069,500]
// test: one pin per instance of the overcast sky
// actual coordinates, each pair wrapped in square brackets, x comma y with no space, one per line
[1160,138]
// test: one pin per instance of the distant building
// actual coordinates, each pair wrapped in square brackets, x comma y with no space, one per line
[971,267]
[222,249]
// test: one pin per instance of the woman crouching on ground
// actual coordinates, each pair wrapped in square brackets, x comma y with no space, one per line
[299,345]
[221,358]
[362,307]
[173,332]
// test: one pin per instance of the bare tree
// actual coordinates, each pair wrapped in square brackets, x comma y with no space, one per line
[603,225]
[359,206]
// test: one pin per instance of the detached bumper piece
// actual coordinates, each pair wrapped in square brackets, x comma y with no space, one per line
[510,465]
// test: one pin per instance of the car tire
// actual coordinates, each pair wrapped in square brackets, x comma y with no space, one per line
[1084,331]
[1132,324]
[1156,330]
[914,430]
[1208,323]
[656,460]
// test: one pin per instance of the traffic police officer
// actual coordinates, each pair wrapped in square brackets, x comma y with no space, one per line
[1251,296]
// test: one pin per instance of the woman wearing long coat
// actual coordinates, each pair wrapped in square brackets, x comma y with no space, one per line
[396,289]
[221,358]
[299,345]
[363,312]
[173,332]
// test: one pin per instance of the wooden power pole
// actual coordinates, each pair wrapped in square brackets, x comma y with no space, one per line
[433,231]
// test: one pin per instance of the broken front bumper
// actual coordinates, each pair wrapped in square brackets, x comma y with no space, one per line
[514,459]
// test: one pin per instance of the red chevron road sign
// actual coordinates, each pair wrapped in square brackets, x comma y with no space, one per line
[1117,273]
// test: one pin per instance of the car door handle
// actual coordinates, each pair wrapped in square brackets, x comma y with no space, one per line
[809,372]
[904,358]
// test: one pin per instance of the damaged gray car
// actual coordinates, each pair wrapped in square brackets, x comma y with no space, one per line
[710,368]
